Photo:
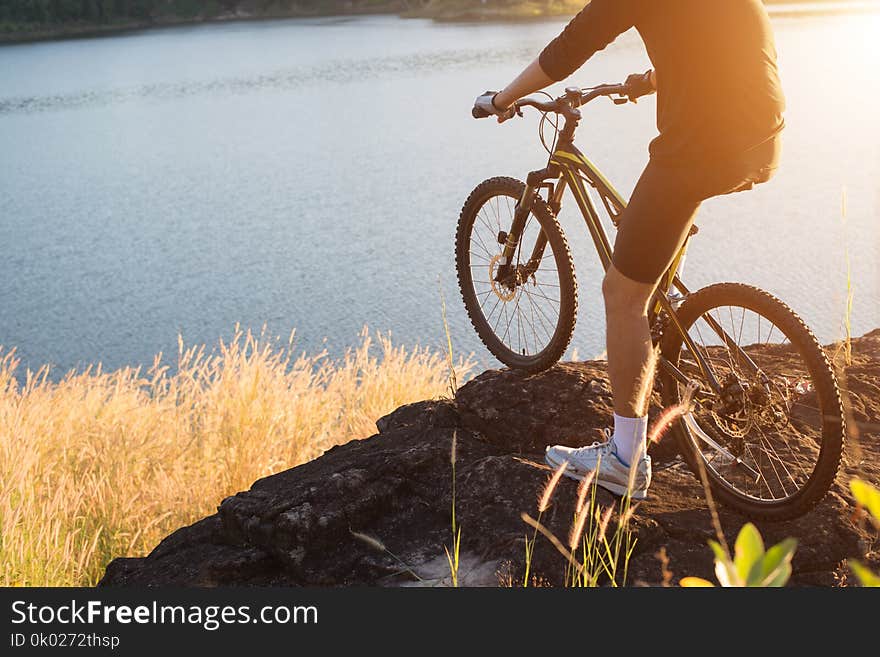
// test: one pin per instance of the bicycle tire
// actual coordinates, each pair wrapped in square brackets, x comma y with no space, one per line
[555,347]
[824,388]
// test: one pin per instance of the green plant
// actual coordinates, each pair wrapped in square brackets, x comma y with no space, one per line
[378,545]
[751,565]
[868,497]
[600,554]
[452,557]
[543,505]
[453,377]
[592,554]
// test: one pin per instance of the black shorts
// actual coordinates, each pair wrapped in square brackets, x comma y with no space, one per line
[655,224]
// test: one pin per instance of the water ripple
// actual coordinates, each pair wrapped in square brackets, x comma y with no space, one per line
[338,72]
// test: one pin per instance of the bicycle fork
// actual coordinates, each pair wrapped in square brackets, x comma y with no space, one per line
[510,240]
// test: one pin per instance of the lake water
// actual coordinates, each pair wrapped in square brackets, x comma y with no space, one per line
[309,174]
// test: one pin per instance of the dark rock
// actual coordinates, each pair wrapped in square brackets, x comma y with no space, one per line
[299,527]
[567,405]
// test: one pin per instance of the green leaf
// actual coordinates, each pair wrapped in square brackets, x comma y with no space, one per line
[748,552]
[720,552]
[776,564]
[753,577]
[866,577]
[695,583]
[725,571]
[866,495]
[778,577]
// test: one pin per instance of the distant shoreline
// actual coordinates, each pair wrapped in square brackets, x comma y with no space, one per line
[526,12]
[95,30]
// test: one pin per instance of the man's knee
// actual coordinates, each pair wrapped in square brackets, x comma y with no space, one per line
[624,295]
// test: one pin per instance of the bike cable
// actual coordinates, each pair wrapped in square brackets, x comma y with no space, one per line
[554,122]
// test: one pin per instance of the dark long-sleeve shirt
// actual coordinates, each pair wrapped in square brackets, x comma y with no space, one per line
[718,88]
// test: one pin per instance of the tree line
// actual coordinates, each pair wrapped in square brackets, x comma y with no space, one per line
[59,12]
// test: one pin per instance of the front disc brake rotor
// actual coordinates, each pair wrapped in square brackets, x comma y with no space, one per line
[501,291]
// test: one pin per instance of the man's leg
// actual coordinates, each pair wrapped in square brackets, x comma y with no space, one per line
[631,359]
[628,339]
[652,230]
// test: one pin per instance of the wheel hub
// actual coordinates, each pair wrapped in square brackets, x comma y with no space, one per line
[734,395]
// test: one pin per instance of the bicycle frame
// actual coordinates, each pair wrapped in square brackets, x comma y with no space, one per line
[571,168]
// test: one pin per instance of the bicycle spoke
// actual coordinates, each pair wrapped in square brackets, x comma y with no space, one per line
[795,455]
[541,310]
[518,324]
[775,471]
[488,252]
[486,295]
[487,222]
[531,323]
[489,316]
[761,476]
[507,327]
[541,296]
[548,334]
[534,327]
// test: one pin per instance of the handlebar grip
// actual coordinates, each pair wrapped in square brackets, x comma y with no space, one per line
[479,113]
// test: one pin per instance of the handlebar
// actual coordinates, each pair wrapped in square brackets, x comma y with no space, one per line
[572,99]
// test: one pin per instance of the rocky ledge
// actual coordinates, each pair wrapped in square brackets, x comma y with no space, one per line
[298,527]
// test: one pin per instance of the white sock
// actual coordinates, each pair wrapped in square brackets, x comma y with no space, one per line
[630,437]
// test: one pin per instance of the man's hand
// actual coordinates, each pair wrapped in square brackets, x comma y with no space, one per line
[640,84]
[486,104]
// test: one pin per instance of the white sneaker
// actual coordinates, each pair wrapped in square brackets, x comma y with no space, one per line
[613,474]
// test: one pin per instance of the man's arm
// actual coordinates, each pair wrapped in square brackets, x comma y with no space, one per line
[597,25]
[532,79]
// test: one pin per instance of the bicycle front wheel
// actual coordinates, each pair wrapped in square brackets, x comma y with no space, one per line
[524,311]
[769,439]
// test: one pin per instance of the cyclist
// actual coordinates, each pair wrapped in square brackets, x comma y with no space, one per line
[719,115]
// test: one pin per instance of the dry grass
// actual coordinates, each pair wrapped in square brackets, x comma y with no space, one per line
[850,293]
[104,464]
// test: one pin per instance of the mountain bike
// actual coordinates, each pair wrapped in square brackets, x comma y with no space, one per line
[756,402]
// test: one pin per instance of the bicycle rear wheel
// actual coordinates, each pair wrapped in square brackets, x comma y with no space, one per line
[770,443]
[524,314]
